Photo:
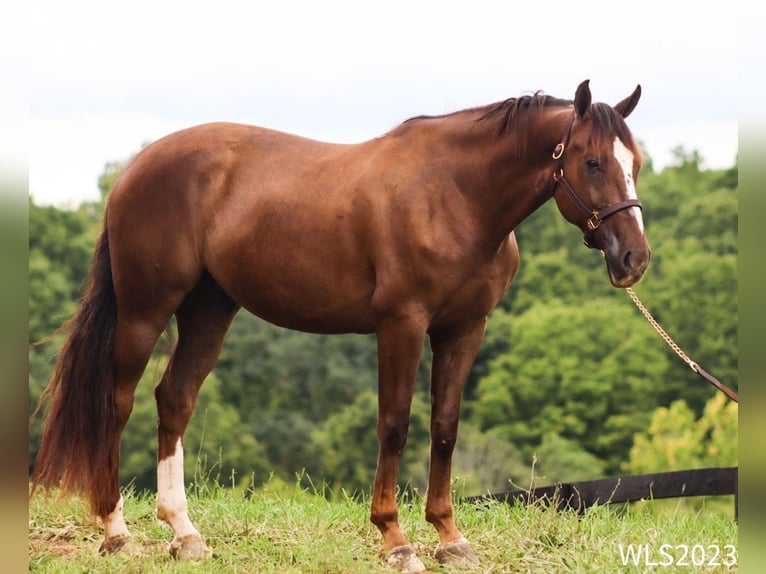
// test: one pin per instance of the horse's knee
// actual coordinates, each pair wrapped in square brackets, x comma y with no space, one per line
[443,438]
[392,434]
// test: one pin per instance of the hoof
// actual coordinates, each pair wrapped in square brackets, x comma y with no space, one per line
[118,545]
[458,552]
[189,548]
[404,559]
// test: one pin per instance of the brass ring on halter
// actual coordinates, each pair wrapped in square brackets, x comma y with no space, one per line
[558,151]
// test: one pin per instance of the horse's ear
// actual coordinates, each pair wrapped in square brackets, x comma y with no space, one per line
[582,99]
[628,104]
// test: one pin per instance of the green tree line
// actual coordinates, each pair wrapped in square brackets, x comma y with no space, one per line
[570,380]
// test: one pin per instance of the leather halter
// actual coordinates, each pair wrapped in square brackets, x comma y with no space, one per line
[593,217]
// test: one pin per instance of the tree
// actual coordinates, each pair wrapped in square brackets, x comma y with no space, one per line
[677,439]
[345,446]
[587,374]
[564,460]
[60,250]
[488,462]
[272,369]
[691,286]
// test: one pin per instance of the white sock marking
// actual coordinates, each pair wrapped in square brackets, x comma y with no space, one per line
[114,522]
[171,496]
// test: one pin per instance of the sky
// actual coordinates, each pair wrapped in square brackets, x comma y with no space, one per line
[104,78]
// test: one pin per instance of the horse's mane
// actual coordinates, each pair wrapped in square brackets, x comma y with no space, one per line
[505,112]
[508,113]
[512,114]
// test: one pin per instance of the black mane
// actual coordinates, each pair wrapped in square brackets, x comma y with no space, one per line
[512,115]
[506,112]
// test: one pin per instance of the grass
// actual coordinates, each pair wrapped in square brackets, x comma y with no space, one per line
[289,529]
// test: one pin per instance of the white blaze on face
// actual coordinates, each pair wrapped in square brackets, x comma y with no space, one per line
[625,159]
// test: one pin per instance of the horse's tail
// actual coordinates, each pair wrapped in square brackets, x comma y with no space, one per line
[78,451]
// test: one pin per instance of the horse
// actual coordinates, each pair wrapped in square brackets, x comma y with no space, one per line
[408,236]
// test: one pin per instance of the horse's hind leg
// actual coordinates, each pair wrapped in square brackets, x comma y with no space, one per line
[202,319]
[137,331]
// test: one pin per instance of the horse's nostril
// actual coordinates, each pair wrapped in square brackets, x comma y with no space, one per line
[626,259]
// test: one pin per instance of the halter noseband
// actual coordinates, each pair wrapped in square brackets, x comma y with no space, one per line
[593,217]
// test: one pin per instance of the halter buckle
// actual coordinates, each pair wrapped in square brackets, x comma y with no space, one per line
[558,151]
[593,222]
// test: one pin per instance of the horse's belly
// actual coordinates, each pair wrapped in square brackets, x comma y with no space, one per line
[315,316]
[297,292]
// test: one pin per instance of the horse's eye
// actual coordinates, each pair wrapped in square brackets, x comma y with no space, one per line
[592,164]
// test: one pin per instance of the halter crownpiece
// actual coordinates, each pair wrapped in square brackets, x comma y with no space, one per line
[593,217]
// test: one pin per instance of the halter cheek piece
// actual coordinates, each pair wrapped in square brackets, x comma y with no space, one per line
[593,217]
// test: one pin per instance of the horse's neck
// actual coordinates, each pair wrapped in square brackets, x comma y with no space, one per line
[508,176]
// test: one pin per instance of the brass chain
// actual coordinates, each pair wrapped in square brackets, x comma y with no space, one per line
[653,322]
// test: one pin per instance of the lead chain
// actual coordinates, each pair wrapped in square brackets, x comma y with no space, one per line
[653,322]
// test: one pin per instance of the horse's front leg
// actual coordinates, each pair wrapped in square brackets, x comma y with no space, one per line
[453,356]
[400,345]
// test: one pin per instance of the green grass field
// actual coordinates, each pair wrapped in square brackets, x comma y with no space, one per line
[288,529]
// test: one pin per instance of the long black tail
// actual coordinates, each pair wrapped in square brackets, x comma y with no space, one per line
[79,450]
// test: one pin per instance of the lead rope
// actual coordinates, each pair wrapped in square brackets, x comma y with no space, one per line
[678,351]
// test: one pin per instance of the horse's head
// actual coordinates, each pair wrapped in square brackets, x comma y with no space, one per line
[597,165]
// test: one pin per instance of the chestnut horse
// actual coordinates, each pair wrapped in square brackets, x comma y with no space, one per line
[408,236]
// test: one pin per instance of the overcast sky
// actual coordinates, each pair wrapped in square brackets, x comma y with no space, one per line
[106,77]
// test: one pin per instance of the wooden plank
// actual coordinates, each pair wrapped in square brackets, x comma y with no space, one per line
[582,495]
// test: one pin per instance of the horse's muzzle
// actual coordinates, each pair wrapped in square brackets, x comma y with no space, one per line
[627,266]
